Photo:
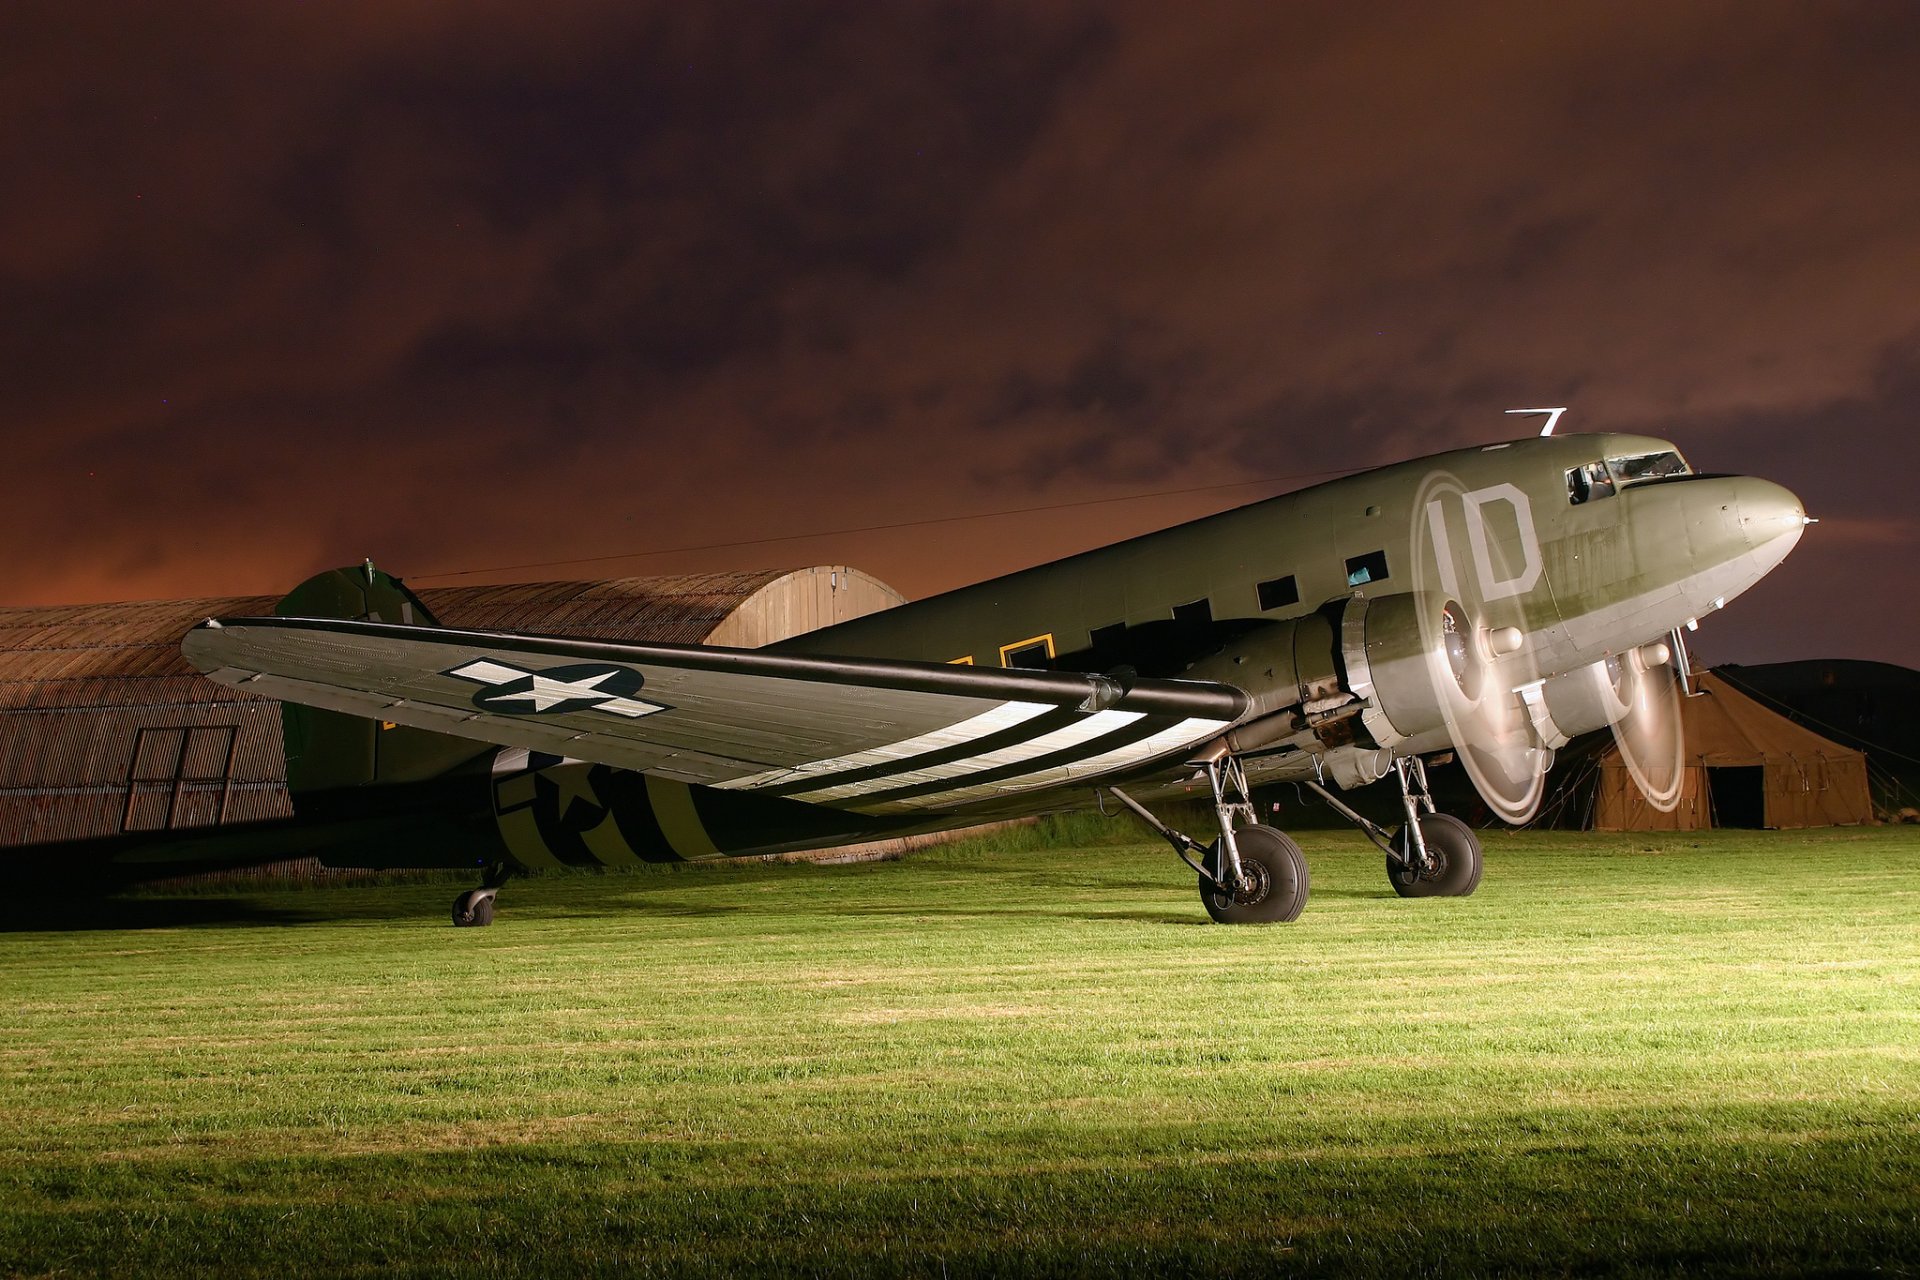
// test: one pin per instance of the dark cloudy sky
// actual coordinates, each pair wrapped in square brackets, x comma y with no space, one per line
[459,285]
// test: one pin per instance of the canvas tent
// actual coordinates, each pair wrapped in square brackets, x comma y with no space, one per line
[1745,767]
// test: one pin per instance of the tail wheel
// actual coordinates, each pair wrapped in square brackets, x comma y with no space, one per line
[1276,880]
[473,909]
[1455,851]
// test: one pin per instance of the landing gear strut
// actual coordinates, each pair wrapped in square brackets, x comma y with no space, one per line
[1254,876]
[1433,854]
[1453,861]
[474,908]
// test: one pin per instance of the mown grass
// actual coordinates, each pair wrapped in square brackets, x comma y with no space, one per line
[1637,1054]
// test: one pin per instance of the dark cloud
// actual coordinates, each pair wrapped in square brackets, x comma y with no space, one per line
[473,284]
[1855,462]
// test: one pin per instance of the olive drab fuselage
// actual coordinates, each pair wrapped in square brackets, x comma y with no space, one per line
[1476,599]
[1579,580]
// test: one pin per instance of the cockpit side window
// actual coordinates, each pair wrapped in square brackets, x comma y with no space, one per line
[1642,467]
[1588,482]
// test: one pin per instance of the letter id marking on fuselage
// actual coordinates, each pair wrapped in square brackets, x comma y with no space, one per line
[1473,506]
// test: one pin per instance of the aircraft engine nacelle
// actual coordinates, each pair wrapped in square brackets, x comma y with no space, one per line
[1307,691]
[1425,670]
[1292,673]
[1594,697]
[1405,653]
[1411,673]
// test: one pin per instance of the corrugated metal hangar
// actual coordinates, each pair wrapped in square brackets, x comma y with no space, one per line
[106,730]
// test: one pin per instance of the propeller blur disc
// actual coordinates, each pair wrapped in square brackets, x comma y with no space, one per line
[1650,736]
[1476,655]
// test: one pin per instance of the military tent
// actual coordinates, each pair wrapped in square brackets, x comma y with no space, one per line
[1745,767]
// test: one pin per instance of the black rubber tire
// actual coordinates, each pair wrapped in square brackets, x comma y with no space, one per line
[1278,870]
[473,909]
[1456,850]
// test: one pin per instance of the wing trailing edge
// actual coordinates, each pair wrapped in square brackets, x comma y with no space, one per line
[871,734]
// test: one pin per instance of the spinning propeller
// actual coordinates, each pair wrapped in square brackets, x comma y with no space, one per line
[1473,637]
[1474,567]
[1648,731]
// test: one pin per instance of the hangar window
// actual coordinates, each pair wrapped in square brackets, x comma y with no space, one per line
[1278,593]
[1588,482]
[1371,567]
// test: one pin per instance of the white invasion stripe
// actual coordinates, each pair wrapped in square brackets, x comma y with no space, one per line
[1183,734]
[1059,740]
[1004,716]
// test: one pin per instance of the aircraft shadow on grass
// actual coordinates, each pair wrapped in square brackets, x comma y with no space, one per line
[1026,913]
[1692,1210]
[83,915]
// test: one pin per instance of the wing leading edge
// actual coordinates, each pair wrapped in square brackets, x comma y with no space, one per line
[868,734]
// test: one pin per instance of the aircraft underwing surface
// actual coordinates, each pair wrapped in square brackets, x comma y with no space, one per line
[874,735]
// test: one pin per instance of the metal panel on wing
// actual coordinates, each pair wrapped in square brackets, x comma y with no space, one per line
[724,715]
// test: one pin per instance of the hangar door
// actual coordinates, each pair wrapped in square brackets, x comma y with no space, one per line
[179,777]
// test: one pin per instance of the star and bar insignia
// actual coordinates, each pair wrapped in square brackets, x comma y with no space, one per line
[557,690]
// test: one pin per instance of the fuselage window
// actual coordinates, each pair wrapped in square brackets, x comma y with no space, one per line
[1590,481]
[1278,593]
[1642,467]
[1371,567]
[1197,614]
[1107,646]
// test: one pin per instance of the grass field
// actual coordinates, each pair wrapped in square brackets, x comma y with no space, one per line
[1624,1054]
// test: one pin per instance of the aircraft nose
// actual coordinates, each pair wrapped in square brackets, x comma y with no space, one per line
[1772,517]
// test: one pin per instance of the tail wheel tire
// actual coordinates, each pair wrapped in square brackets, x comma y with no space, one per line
[1455,850]
[1276,880]
[473,909]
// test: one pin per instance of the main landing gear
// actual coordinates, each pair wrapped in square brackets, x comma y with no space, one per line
[1433,854]
[474,908]
[1256,875]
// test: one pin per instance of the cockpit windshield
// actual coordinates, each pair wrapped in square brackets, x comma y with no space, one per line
[1647,466]
[1604,479]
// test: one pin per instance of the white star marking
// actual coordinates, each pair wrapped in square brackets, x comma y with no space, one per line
[547,692]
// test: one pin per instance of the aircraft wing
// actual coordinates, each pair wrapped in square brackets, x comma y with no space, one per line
[875,735]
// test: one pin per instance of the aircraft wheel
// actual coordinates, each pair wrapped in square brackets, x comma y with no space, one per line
[1456,850]
[473,909]
[1276,872]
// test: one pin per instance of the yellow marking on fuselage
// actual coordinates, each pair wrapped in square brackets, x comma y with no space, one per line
[1029,642]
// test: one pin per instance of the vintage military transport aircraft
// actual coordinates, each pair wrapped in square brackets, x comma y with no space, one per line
[1483,605]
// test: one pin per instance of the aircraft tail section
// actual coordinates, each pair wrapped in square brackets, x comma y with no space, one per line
[328,751]
[388,795]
